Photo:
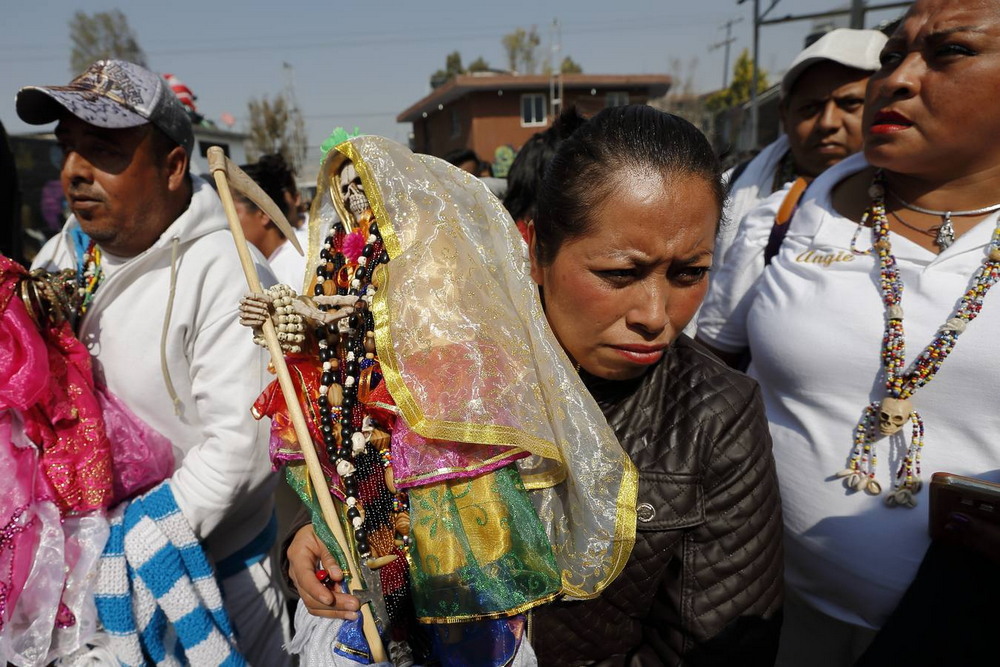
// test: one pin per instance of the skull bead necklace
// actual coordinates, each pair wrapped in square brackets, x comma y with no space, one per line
[888,416]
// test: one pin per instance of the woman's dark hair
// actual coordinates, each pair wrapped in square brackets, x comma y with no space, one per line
[460,155]
[275,177]
[583,172]
[525,176]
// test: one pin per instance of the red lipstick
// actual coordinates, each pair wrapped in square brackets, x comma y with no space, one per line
[887,121]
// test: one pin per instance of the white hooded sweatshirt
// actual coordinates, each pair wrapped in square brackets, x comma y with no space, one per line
[164,333]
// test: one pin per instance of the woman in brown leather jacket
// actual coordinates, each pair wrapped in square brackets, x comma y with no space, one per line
[623,267]
[621,250]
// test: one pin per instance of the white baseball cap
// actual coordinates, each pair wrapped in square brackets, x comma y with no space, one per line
[858,49]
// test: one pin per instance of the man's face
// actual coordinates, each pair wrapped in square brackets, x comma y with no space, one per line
[117,184]
[822,116]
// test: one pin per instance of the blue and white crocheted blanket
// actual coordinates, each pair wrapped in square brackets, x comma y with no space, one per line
[156,594]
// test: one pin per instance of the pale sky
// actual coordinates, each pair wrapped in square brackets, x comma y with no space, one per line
[361,63]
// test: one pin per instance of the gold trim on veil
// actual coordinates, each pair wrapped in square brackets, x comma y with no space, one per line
[457,296]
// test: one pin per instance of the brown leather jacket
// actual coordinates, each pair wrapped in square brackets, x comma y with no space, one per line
[704,583]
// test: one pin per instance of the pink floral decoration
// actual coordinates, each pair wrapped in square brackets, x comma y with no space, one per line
[354,243]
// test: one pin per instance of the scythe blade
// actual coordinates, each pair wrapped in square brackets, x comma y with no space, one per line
[240,181]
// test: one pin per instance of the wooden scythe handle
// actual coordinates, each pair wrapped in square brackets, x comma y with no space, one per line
[217,165]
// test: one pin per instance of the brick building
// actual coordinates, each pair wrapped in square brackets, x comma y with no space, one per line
[488,111]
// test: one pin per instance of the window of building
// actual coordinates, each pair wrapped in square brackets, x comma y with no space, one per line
[532,109]
[616,99]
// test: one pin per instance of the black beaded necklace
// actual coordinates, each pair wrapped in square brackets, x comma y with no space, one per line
[341,351]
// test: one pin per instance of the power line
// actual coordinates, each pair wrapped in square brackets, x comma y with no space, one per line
[365,40]
[453,32]
[727,42]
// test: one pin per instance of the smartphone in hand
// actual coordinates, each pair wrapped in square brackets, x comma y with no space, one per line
[967,495]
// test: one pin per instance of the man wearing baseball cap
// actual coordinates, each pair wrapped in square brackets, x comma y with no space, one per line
[161,282]
[822,97]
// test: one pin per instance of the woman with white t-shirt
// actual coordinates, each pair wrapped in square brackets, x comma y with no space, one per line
[873,331]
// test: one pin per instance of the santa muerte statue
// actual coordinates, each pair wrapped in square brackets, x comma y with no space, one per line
[476,477]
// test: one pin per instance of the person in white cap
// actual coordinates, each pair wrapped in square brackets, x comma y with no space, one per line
[161,283]
[822,97]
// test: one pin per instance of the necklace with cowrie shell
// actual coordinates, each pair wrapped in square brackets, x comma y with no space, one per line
[888,416]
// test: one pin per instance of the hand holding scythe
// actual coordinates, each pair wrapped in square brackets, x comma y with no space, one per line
[227,174]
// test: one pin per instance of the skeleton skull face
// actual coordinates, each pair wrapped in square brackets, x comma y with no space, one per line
[893,413]
[352,190]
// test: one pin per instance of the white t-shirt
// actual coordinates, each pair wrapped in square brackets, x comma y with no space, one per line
[814,324]
[750,189]
[722,317]
[288,266]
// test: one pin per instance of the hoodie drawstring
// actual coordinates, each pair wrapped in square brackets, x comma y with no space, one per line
[175,242]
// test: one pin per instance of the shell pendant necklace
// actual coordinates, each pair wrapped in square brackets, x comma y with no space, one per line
[886,417]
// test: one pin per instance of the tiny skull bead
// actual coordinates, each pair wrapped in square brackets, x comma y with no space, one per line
[345,468]
[893,413]
[358,442]
[336,394]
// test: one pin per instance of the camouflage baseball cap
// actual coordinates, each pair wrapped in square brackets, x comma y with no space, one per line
[113,94]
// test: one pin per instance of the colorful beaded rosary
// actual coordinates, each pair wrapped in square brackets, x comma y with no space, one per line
[89,275]
[377,510]
[891,414]
[354,338]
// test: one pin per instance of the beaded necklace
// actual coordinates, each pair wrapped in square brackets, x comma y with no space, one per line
[89,275]
[888,416]
[346,350]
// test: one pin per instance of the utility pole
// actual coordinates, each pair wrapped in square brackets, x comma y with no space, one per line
[301,150]
[726,44]
[857,14]
[754,111]
[555,72]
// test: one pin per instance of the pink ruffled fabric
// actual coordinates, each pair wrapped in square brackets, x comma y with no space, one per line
[49,381]
[59,434]
[24,366]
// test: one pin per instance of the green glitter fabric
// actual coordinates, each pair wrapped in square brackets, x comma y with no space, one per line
[478,549]
[296,476]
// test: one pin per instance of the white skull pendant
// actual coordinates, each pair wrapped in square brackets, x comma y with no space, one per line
[892,414]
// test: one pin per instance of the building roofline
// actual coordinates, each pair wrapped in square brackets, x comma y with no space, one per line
[464,84]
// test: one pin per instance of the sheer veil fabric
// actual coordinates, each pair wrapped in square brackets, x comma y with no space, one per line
[468,356]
